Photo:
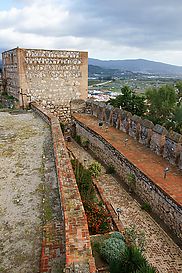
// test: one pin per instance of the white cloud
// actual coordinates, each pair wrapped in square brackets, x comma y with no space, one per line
[109,30]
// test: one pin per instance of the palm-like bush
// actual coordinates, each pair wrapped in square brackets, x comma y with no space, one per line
[146,268]
[130,260]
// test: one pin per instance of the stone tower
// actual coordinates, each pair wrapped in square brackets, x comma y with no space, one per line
[52,78]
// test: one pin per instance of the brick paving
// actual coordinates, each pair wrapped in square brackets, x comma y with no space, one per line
[142,157]
[160,251]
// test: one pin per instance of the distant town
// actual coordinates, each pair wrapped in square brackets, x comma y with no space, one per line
[105,84]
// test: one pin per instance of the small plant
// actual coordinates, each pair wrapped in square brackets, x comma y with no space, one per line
[131,182]
[111,249]
[98,218]
[135,238]
[95,169]
[117,235]
[85,143]
[130,260]
[62,127]
[146,207]
[111,169]
[146,268]
[78,139]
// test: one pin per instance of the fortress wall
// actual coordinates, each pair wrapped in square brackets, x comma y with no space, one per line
[51,78]
[162,204]
[157,138]
[78,247]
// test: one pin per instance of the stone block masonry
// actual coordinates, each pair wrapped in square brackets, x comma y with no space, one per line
[78,248]
[164,196]
[51,78]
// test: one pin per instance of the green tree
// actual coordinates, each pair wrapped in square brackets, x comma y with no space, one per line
[129,101]
[176,120]
[131,260]
[161,103]
[179,91]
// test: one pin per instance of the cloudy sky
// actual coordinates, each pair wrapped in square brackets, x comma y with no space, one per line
[108,29]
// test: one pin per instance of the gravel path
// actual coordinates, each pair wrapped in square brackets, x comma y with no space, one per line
[160,251]
[22,138]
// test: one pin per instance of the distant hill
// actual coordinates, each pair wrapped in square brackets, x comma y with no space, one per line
[94,69]
[138,65]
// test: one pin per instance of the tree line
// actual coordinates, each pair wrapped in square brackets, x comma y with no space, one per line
[161,105]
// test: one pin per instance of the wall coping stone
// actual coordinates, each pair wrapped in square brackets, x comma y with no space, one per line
[102,105]
[160,129]
[147,123]
[174,136]
[136,118]
[117,110]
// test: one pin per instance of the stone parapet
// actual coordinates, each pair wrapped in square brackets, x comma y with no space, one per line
[167,208]
[135,126]
[160,141]
[172,147]
[145,132]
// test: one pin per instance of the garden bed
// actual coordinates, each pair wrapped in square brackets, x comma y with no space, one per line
[98,218]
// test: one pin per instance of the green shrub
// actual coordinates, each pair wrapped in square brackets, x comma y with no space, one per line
[111,169]
[135,238]
[131,182]
[62,127]
[111,249]
[98,218]
[95,169]
[146,268]
[85,143]
[146,207]
[117,235]
[78,139]
[130,260]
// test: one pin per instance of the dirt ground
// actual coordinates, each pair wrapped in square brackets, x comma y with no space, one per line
[22,139]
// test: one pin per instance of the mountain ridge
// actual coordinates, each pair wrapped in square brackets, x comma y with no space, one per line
[138,65]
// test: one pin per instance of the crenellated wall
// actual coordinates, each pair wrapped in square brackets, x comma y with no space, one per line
[160,141]
[162,204]
[51,78]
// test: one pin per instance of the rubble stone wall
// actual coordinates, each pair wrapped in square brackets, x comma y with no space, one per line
[52,78]
[10,72]
[157,138]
